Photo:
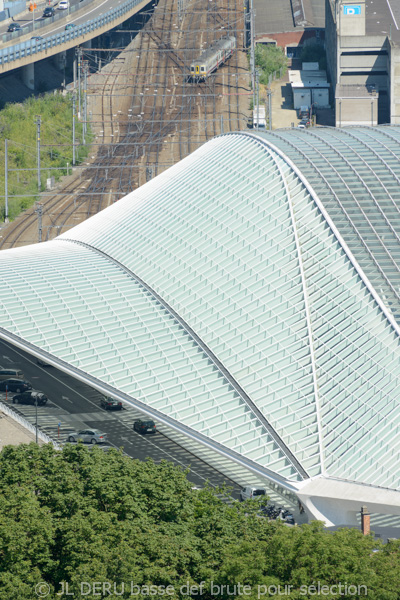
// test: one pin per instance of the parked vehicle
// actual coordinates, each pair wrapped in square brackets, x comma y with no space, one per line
[31,397]
[251,492]
[282,514]
[303,112]
[144,426]
[110,404]
[91,436]
[14,27]
[42,363]
[212,58]
[11,374]
[49,12]
[259,117]
[15,385]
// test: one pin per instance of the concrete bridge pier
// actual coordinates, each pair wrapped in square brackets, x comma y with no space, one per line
[28,75]
[60,62]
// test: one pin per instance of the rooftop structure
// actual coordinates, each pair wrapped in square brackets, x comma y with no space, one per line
[249,299]
[363,48]
[289,23]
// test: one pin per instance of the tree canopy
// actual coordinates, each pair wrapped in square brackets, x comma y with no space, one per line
[269,59]
[88,524]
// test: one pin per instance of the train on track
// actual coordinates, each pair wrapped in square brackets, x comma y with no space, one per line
[212,58]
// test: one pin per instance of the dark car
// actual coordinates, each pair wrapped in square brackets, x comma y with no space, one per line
[15,385]
[14,27]
[144,426]
[70,26]
[36,38]
[49,12]
[31,397]
[110,403]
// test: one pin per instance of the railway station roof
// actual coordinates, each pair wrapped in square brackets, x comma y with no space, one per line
[249,296]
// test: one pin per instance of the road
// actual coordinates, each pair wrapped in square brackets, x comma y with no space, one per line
[76,406]
[89,10]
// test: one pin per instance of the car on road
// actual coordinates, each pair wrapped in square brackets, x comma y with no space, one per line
[110,404]
[144,426]
[14,27]
[63,5]
[11,374]
[37,38]
[31,397]
[15,385]
[91,436]
[251,492]
[70,26]
[49,12]
[42,363]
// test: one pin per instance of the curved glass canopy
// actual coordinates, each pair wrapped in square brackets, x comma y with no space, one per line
[248,293]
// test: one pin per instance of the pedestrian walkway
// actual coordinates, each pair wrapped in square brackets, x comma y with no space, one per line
[12,433]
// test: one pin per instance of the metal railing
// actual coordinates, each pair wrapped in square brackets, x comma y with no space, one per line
[7,410]
[31,47]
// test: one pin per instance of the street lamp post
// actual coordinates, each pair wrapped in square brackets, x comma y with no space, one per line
[36,419]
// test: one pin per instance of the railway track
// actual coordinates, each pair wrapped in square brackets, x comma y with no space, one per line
[168,116]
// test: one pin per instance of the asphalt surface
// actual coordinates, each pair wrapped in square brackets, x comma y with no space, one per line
[74,406]
[88,11]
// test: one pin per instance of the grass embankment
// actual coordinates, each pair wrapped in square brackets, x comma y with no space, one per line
[17,125]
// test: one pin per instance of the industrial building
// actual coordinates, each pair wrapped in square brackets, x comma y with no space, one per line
[363,58]
[248,298]
[289,24]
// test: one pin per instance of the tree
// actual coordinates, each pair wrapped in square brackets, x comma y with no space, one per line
[82,516]
[269,59]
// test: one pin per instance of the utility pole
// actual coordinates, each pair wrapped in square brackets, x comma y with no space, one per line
[38,122]
[245,20]
[6,182]
[269,94]
[258,99]
[180,10]
[39,212]
[36,428]
[252,49]
[85,66]
[73,127]
[79,53]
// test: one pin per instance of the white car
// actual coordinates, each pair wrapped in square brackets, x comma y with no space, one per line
[251,492]
[63,5]
[91,436]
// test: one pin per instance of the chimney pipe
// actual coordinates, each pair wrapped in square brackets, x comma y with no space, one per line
[365,521]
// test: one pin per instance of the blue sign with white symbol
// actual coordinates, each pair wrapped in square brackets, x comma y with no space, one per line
[353,9]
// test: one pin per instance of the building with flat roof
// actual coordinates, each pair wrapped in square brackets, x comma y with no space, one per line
[362,43]
[289,24]
[248,298]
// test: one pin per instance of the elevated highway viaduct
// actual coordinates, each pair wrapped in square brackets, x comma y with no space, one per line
[50,38]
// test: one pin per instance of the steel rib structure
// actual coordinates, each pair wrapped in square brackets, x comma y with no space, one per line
[248,297]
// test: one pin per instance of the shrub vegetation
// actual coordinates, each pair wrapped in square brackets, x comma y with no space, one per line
[17,124]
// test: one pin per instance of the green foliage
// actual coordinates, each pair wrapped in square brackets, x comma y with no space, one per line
[88,516]
[269,59]
[314,53]
[17,124]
